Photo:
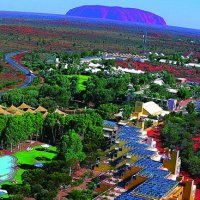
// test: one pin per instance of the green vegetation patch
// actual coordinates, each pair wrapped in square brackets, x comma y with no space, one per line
[82,79]
[31,157]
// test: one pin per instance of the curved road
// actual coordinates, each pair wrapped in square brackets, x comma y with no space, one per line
[25,71]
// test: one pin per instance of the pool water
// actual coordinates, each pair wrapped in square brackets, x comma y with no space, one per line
[7,168]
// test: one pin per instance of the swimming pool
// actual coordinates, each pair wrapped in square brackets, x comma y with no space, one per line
[7,168]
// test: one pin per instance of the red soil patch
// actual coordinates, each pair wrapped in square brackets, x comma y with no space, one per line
[12,74]
[18,58]
[192,74]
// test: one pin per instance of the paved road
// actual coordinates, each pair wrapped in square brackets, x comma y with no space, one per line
[25,71]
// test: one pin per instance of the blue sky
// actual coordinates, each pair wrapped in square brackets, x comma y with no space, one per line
[183,13]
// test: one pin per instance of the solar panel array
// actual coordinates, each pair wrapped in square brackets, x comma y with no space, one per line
[110,124]
[147,163]
[143,153]
[129,196]
[197,106]
[131,136]
[155,187]
[151,172]
[129,131]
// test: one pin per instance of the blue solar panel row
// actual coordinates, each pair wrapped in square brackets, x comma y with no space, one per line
[129,196]
[151,172]
[129,130]
[111,124]
[133,144]
[197,106]
[155,187]
[145,162]
[143,153]
[127,138]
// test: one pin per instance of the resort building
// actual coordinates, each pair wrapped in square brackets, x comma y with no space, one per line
[146,109]
[134,170]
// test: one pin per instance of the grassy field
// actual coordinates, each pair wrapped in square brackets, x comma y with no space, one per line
[30,157]
[81,81]
[36,155]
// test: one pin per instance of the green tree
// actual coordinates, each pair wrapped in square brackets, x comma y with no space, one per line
[71,147]
[107,111]
[1,68]
[183,93]
[194,165]
[168,78]
[190,108]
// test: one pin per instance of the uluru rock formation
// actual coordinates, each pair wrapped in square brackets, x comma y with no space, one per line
[117,13]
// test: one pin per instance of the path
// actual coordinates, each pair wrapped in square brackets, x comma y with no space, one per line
[18,66]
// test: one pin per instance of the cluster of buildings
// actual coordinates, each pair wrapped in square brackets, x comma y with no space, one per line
[126,56]
[94,68]
[117,56]
[134,170]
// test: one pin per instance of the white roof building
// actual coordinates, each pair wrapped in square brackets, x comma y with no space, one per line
[131,71]
[154,109]
[172,90]
[158,81]
[93,65]
[193,65]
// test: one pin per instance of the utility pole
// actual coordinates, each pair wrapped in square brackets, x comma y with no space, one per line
[144,42]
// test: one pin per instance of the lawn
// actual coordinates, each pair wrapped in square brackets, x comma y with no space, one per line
[81,81]
[30,157]
[36,155]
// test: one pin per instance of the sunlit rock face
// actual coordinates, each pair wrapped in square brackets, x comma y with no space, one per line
[117,13]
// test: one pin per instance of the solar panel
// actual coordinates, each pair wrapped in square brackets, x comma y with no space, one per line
[143,153]
[111,124]
[146,162]
[197,105]
[151,172]
[129,196]
[155,187]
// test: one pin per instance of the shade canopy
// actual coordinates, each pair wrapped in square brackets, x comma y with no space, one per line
[12,109]
[4,112]
[41,109]
[60,112]
[24,106]
[30,111]
[18,112]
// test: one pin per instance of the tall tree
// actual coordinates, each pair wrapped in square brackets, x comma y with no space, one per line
[71,147]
